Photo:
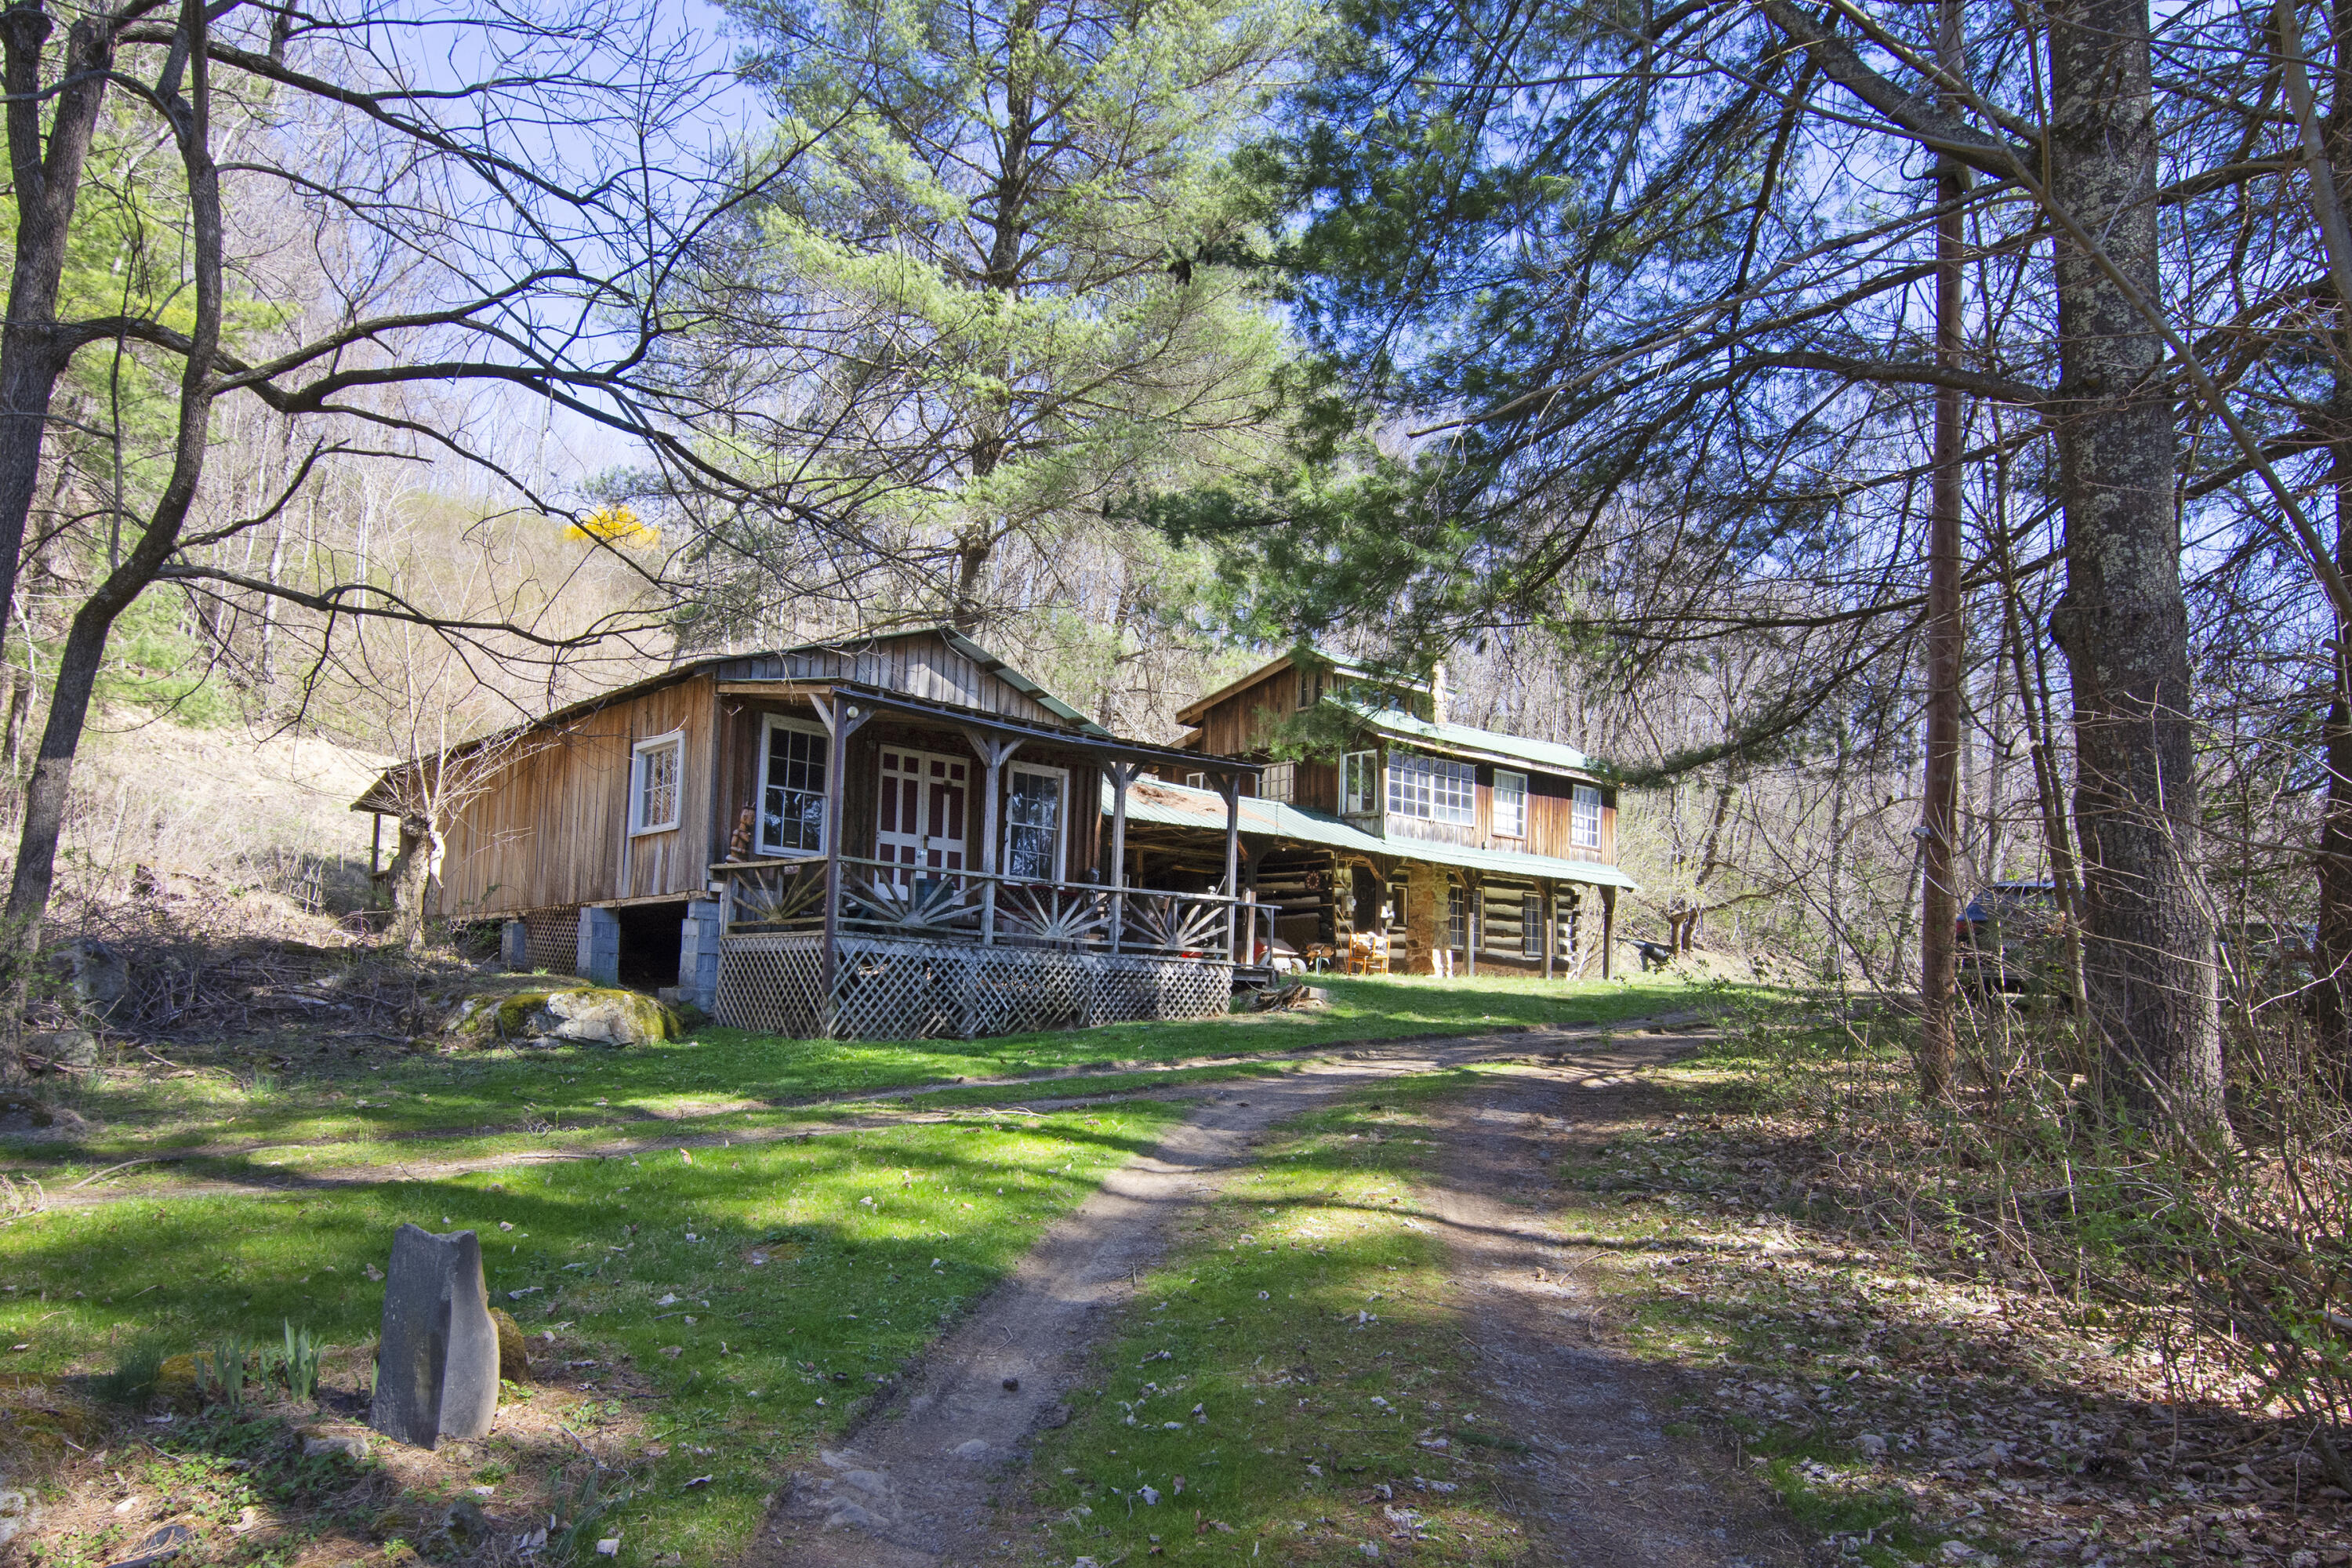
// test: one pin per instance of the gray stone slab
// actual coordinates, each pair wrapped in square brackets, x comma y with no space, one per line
[436,1371]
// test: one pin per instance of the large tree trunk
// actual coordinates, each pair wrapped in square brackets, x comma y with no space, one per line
[2148,937]
[47,171]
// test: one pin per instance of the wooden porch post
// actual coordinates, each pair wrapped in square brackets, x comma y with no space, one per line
[1549,911]
[1121,775]
[993,754]
[841,722]
[1608,934]
[1230,785]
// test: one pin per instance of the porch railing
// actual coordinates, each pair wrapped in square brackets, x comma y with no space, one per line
[882,898]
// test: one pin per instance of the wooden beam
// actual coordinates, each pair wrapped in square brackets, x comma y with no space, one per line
[995,753]
[1608,934]
[842,719]
[1230,786]
[1123,774]
[1548,894]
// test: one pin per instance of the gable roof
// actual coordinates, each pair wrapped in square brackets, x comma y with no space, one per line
[1489,745]
[1190,713]
[380,796]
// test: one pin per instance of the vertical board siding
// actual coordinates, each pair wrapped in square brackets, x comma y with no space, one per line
[552,828]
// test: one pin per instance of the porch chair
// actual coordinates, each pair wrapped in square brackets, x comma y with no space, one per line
[1368,952]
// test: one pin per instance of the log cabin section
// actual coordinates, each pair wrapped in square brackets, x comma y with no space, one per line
[1461,848]
[888,838]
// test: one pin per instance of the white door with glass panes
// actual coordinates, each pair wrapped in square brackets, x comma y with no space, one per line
[1033,822]
[920,811]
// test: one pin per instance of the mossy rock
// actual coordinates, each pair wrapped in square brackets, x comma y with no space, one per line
[571,1015]
[175,1379]
[514,1358]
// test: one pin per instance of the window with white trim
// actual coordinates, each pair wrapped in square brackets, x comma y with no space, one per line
[1279,782]
[1457,919]
[1033,822]
[1585,823]
[792,787]
[1510,804]
[1196,781]
[1359,784]
[1435,789]
[1531,920]
[654,791]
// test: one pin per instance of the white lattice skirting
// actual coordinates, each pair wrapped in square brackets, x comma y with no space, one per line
[890,990]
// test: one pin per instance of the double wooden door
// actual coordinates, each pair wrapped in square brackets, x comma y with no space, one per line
[921,812]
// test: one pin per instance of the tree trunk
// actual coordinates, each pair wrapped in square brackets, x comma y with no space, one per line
[2148,937]
[411,873]
[47,171]
[2332,963]
[1939,811]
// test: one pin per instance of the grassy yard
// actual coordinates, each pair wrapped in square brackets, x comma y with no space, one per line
[1292,1379]
[345,1107]
[734,1304]
[710,1314]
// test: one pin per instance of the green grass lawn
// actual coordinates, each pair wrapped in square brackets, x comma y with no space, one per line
[1292,1383]
[343,1110]
[871,1243]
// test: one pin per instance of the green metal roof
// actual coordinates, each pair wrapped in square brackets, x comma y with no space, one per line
[1398,724]
[1180,806]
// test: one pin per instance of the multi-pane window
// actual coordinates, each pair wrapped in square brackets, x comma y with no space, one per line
[1033,826]
[1531,921]
[1585,823]
[1310,688]
[1359,783]
[1279,782]
[1457,919]
[1433,788]
[792,793]
[1510,804]
[653,801]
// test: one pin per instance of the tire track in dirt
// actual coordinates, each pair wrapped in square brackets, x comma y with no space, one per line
[1602,1483]
[914,1484]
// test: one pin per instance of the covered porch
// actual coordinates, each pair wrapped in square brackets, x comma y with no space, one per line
[903,868]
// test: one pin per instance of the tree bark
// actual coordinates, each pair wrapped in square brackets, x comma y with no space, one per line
[47,173]
[1939,811]
[2148,937]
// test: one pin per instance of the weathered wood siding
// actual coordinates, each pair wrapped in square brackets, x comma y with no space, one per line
[551,828]
[920,665]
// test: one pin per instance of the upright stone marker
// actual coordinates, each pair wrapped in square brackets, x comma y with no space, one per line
[437,1370]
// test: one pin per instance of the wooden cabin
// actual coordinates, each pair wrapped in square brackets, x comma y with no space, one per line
[889,838]
[1468,849]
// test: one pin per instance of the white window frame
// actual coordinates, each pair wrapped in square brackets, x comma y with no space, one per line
[1359,784]
[1517,827]
[1196,781]
[772,722]
[1061,829]
[1432,789]
[639,755]
[1584,825]
[1279,782]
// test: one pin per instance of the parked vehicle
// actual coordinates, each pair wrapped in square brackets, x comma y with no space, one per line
[2010,936]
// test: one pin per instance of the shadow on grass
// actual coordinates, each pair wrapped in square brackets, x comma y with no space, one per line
[737,1302]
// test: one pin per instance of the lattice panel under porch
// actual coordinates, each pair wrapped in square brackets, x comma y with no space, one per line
[551,937]
[888,989]
[771,983]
